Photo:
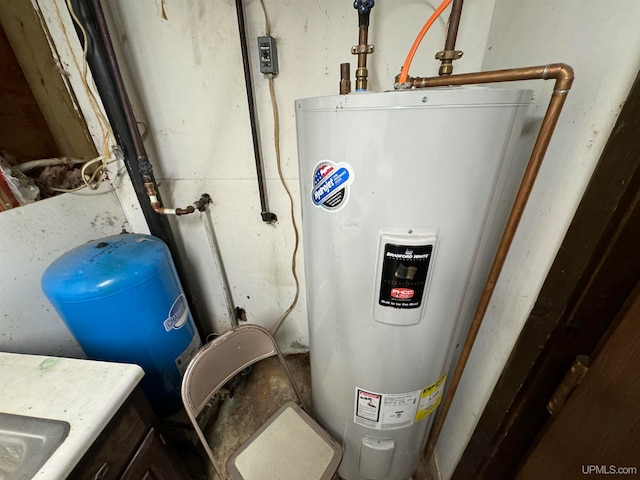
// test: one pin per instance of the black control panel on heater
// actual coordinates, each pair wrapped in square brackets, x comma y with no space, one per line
[404,275]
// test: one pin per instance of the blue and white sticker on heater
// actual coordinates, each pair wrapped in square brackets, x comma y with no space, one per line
[331,185]
[178,314]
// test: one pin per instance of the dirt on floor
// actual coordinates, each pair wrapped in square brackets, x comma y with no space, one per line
[251,398]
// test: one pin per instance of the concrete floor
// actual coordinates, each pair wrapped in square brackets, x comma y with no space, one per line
[253,399]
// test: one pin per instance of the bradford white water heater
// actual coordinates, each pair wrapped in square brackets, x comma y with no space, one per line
[404,195]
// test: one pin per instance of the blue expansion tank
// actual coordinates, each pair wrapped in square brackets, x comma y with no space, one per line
[122,300]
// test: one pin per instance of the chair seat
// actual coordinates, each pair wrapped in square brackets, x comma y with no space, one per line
[289,446]
[290,439]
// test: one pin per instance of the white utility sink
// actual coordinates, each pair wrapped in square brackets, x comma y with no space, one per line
[26,443]
[53,409]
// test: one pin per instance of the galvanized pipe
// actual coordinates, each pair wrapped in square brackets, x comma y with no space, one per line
[105,71]
[222,273]
[563,76]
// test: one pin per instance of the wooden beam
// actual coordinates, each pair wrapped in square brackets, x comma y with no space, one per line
[24,134]
[45,78]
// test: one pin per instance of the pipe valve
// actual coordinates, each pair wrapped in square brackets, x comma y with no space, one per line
[363,6]
[362,49]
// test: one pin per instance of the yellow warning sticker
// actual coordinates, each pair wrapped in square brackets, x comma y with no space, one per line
[393,411]
[430,398]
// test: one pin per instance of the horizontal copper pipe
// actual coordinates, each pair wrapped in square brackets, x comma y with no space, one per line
[562,73]
[158,208]
[563,76]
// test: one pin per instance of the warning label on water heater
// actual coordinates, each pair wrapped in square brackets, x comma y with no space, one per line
[392,411]
[404,275]
[368,405]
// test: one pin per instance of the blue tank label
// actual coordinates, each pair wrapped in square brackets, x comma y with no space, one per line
[331,185]
[177,314]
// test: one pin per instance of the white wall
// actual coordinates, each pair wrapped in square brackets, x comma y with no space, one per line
[186,76]
[601,41]
[31,237]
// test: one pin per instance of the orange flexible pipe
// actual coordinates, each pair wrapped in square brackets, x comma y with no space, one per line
[404,74]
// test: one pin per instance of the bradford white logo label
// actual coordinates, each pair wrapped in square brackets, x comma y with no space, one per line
[408,255]
[331,185]
[177,314]
[404,275]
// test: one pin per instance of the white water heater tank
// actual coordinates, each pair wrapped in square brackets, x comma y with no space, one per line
[404,196]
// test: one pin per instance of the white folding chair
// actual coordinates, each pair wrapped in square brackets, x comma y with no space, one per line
[288,446]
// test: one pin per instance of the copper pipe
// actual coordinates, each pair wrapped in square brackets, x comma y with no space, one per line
[563,76]
[157,206]
[363,34]
[345,78]
[185,211]
[446,67]
[562,73]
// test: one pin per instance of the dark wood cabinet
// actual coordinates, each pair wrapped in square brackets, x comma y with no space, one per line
[152,461]
[131,448]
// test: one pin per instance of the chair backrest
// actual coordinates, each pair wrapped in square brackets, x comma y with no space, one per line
[218,362]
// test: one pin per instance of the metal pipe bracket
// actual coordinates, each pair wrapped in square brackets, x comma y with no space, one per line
[449,55]
[366,49]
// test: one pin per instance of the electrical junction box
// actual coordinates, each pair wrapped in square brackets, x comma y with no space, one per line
[268,55]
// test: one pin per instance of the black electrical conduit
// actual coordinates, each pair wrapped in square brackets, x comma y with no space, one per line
[267,216]
[106,74]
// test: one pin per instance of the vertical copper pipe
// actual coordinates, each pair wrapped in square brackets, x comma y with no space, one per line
[563,75]
[345,78]
[446,67]
[363,34]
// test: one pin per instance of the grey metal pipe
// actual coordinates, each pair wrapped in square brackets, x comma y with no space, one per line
[267,216]
[222,273]
[103,64]
[119,83]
